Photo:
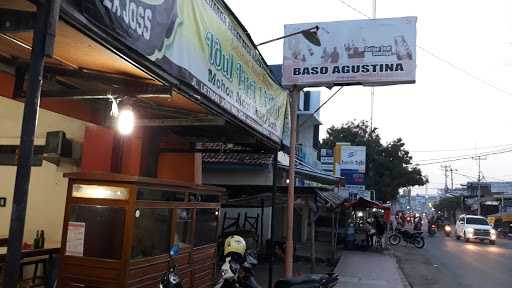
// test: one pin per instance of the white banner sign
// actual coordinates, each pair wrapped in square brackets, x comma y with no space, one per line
[353,158]
[367,52]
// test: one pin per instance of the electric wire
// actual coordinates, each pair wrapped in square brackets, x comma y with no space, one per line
[454,66]
[464,158]
[460,149]
[465,155]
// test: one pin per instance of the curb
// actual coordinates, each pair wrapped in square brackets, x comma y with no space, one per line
[405,281]
[338,265]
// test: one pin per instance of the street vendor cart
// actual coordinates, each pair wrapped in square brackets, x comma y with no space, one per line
[118,231]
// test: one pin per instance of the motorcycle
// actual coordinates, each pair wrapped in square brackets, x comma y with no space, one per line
[242,276]
[170,278]
[447,230]
[432,230]
[415,238]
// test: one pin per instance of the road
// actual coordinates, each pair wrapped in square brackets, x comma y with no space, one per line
[446,262]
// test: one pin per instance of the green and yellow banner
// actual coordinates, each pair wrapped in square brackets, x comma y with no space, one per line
[201,43]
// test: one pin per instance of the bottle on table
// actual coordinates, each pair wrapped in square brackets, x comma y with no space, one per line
[35,244]
[41,239]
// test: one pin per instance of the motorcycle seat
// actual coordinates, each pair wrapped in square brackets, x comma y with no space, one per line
[306,281]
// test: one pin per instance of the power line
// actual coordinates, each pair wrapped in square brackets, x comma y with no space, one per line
[467,176]
[355,9]
[465,158]
[465,155]
[454,66]
[460,149]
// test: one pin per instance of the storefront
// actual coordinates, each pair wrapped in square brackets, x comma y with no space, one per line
[142,216]
[190,73]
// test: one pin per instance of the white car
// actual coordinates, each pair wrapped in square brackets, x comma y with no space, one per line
[474,227]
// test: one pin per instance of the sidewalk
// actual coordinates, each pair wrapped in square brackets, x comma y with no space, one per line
[369,270]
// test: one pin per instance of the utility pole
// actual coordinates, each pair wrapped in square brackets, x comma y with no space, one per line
[294,95]
[479,159]
[451,175]
[446,168]
[502,200]
[374,15]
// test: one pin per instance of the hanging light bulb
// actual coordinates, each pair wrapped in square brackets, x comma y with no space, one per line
[125,121]
[114,110]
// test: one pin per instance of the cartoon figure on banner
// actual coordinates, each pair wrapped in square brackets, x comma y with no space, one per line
[403,52]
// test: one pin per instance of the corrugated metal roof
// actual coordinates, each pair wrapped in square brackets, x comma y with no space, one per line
[332,198]
[238,158]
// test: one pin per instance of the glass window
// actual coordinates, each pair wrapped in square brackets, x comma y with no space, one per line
[102,228]
[206,226]
[476,221]
[100,192]
[151,232]
[147,194]
[208,198]
[183,233]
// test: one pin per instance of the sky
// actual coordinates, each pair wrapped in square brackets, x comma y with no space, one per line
[465,112]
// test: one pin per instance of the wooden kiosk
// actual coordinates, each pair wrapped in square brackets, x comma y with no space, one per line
[118,231]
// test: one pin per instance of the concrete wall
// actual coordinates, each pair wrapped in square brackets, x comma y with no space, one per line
[47,194]
[305,139]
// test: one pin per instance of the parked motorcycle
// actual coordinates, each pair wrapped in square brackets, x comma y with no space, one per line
[415,238]
[237,270]
[170,278]
[447,230]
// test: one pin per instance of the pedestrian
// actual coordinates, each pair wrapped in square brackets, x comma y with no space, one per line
[370,231]
[380,227]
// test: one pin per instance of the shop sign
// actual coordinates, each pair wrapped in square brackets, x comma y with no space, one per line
[353,158]
[201,43]
[368,52]
[355,187]
[326,153]
[352,177]
[326,159]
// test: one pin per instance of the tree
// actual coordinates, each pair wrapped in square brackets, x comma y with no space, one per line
[388,166]
[450,205]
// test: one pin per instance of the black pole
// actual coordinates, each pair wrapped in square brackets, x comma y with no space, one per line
[272,218]
[28,129]
[262,203]
[315,29]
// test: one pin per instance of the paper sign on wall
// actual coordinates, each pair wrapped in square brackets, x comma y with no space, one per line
[75,239]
